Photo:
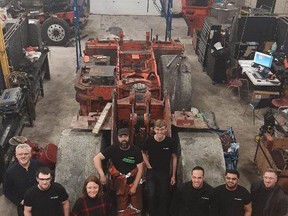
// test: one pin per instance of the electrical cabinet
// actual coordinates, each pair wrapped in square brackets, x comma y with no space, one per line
[209,35]
[217,64]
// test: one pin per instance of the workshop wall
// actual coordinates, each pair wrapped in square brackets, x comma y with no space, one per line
[281,6]
[130,7]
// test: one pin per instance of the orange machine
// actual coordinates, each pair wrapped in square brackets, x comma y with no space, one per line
[129,75]
[194,13]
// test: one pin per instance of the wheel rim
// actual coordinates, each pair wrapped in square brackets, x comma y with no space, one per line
[56,32]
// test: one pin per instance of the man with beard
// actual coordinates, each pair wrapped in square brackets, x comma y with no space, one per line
[193,197]
[268,199]
[20,176]
[126,173]
[46,198]
[231,199]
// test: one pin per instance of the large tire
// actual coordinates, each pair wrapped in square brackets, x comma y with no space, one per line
[76,151]
[55,32]
[207,152]
[176,81]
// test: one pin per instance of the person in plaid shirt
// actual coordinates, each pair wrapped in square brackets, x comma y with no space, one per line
[93,200]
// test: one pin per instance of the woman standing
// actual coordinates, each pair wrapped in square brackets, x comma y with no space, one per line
[93,200]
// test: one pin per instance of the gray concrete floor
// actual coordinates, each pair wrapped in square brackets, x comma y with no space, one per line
[56,109]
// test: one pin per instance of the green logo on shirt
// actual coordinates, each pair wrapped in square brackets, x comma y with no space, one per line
[130,160]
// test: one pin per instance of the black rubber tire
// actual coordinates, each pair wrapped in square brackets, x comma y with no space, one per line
[177,81]
[55,32]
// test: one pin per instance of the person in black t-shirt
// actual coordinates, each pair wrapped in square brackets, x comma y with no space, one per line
[193,197]
[46,198]
[231,199]
[126,173]
[158,151]
[268,199]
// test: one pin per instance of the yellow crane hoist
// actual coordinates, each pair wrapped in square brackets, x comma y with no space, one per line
[4,59]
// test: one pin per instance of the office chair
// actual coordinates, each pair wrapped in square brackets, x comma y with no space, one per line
[236,82]
[260,100]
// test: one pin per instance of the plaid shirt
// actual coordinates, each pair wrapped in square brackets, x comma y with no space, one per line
[86,206]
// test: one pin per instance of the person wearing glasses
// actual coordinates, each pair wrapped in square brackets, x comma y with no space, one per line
[93,200]
[192,197]
[231,198]
[47,198]
[158,152]
[20,176]
[268,199]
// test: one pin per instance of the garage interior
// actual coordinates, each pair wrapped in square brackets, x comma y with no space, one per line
[56,105]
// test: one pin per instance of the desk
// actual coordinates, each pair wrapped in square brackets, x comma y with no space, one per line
[258,82]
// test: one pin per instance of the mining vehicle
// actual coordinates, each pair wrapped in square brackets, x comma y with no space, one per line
[56,16]
[131,83]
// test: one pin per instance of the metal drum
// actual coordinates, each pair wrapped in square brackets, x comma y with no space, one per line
[224,12]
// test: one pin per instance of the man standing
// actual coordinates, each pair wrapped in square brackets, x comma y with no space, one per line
[126,173]
[268,199]
[231,199]
[193,197]
[46,198]
[20,176]
[158,151]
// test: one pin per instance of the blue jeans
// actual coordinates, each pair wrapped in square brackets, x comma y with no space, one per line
[158,192]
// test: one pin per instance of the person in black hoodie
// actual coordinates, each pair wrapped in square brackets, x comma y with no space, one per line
[268,199]
[193,197]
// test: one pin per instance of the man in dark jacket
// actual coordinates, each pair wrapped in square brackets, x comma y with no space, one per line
[193,197]
[20,176]
[268,199]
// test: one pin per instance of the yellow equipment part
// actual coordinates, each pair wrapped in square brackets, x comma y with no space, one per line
[4,59]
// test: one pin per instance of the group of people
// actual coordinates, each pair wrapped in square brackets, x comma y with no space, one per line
[128,167]
[30,186]
[196,197]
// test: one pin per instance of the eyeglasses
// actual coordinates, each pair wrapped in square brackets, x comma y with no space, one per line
[229,178]
[23,154]
[44,179]
[269,178]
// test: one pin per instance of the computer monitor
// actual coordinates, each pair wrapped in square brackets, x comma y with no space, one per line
[263,59]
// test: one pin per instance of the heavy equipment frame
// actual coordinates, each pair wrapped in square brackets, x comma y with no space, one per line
[127,83]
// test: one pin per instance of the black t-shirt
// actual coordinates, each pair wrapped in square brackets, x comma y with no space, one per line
[189,201]
[46,203]
[229,203]
[123,160]
[160,153]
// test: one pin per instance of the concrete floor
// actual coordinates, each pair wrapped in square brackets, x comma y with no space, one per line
[56,108]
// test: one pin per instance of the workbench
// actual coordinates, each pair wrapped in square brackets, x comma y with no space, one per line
[12,124]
